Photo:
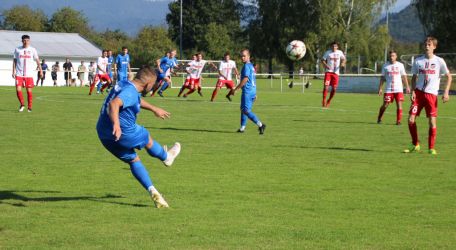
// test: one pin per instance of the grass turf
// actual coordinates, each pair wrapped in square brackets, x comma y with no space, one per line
[317,179]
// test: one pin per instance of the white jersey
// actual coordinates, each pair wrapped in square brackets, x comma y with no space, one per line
[197,68]
[393,76]
[333,60]
[25,61]
[102,63]
[226,68]
[429,72]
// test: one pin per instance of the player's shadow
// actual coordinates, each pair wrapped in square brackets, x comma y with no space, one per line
[327,148]
[341,122]
[195,130]
[20,199]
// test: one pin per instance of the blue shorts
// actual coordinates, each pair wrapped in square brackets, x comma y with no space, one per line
[247,101]
[160,76]
[124,149]
[122,76]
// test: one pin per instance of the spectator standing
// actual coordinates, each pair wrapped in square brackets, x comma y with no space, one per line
[68,67]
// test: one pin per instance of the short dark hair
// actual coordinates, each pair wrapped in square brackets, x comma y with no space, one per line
[335,42]
[124,47]
[25,37]
[392,51]
[226,54]
[104,51]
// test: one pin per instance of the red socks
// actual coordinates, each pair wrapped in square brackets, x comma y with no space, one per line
[214,94]
[29,99]
[414,133]
[20,97]
[432,136]
[399,115]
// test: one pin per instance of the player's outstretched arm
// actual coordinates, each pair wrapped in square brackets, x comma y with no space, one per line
[114,107]
[160,113]
[446,93]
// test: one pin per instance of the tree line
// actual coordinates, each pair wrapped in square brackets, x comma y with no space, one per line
[264,26]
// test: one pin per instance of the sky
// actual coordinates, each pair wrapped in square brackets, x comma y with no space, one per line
[103,14]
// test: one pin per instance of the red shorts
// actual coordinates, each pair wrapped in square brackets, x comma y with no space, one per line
[103,77]
[228,83]
[426,101]
[391,97]
[196,82]
[331,79]
[23,81]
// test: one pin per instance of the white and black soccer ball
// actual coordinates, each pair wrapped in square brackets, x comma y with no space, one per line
[296,50]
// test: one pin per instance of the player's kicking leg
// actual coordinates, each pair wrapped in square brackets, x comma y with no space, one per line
[214,93]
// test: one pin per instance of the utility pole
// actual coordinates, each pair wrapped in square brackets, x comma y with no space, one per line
[180,32]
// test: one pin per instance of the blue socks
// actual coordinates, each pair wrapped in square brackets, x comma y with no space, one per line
[164,86]
[249,115]
[243,119]
[157,151]
[140,173]
[252,117]
[98,86]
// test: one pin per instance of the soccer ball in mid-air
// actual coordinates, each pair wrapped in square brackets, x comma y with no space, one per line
[296,50]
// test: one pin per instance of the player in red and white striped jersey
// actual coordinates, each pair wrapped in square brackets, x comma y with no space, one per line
[196,74]
[102,73]
[393,73]
[226,69]
[333,59]
[188,84]
[427,71]
[25,60]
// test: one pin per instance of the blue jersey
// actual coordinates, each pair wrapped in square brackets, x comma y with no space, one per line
[131,100]
[167,63]
[44,67]
[249,71]
[122,62]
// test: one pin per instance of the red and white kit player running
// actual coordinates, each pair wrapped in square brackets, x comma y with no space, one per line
[197,69]
[188,84]
[333,59]
[225,76]
[25,57]
[426,72]
[102,74]
[393,72]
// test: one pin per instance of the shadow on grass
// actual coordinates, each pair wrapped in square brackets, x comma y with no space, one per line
[195,130]
[14,195]
[343,122]
[326,148]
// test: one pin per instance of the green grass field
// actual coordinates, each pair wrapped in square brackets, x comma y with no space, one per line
[317,179]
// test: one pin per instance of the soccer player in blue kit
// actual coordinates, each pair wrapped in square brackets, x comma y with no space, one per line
[120,135]
[122,65]
[164,64]
[248,97]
